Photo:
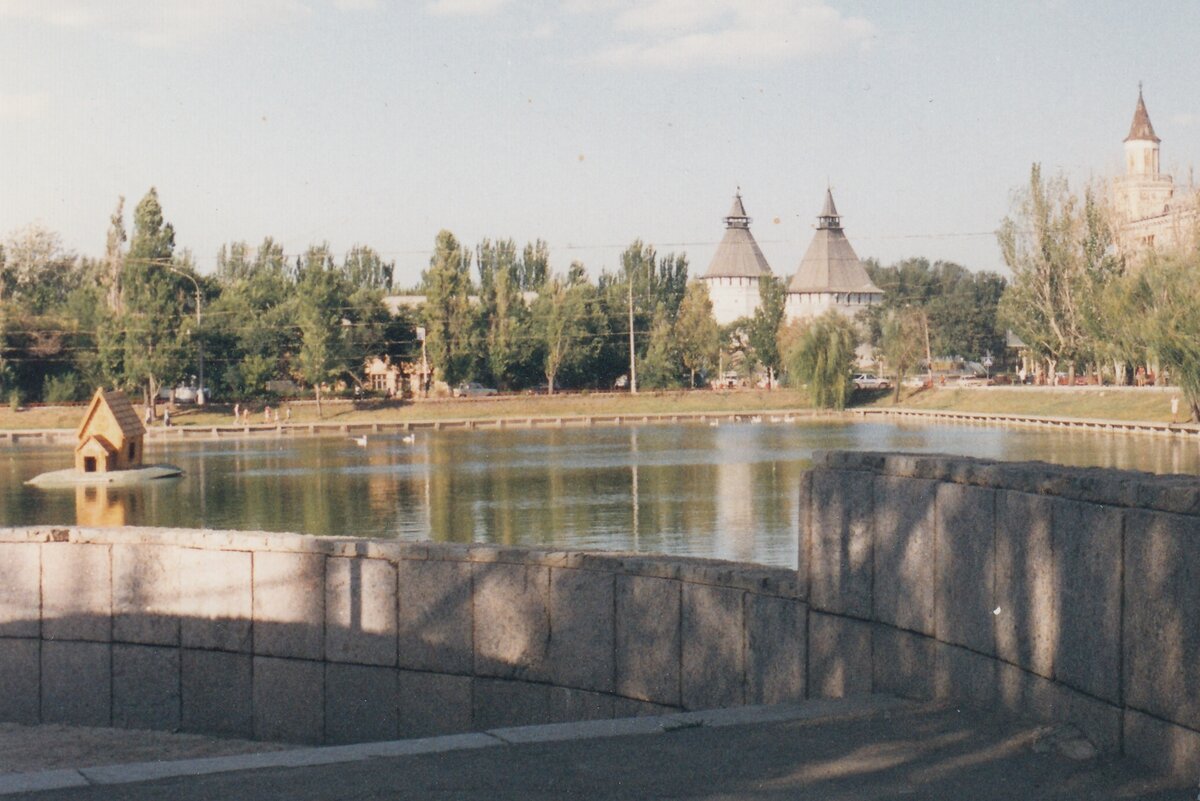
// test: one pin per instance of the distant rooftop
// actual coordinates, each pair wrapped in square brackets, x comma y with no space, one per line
[1141,129]
[830,263]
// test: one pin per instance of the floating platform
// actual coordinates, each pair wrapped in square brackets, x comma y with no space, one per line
[71,477]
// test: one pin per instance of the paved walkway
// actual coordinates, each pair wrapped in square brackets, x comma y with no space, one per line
[861,749]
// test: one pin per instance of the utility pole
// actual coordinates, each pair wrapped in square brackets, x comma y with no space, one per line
[632,360]
[928,352]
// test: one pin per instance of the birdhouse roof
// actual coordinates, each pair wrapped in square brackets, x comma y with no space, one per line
[115,406]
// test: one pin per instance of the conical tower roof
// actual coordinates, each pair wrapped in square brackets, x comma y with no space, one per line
[738,255]
[830,263]
[1141,129]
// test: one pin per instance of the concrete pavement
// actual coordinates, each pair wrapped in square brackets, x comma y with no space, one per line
[866,748]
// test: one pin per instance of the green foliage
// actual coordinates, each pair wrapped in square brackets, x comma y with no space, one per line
[1164,298]
[961,305]
[320,306]
[902,342]
[696,332]
[1042,244]
[534,267]
[823,360]
[661,366]
[61,388]
[36,272]
[155,298]
[504,316]
[448,315]
[364,268]
[764,325]
[559,323]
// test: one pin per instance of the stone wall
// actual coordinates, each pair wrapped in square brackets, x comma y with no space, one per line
[1057,593]
[302,639]
[1060,593]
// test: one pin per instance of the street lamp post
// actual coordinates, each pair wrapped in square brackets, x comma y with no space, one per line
[199,340]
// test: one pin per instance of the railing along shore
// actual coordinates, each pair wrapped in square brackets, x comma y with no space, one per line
[210,432]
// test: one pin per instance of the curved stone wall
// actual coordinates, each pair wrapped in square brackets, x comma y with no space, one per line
[1053,592]
[1058,593]
[304,639]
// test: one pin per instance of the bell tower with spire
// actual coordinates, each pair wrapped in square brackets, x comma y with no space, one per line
[1141,146]
[1143,191]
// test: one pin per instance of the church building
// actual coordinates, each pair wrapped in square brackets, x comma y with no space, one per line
[737,267]
[1152,213]
[830,275]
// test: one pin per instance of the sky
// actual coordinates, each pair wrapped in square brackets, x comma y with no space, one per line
[587,123]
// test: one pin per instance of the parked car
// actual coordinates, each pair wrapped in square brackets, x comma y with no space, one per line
[871,381]
[473,389]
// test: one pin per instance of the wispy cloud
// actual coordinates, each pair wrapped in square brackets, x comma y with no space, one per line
[1186,120]
[159,23]
[464,8]
[23,105]
[681,34]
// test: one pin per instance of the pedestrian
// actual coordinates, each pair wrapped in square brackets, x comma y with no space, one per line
[266,414]
[167,416]
[288,413]
[237,412]
[246,415]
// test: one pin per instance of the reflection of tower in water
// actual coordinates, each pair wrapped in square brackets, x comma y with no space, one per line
[733,530]
[633,471]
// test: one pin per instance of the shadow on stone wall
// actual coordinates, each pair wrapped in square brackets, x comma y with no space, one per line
[289,638]
[1058,593]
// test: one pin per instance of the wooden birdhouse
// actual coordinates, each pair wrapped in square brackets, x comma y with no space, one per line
[110,436]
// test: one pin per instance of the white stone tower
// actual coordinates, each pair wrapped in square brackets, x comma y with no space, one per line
[1143,191]
[737,266]
[830,275]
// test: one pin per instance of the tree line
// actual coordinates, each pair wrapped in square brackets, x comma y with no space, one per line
[142,317]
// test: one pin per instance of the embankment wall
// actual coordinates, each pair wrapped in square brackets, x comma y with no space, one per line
[1054,592]
[1058,593]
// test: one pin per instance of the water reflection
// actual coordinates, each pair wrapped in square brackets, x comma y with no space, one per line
[727,491]
[102,505]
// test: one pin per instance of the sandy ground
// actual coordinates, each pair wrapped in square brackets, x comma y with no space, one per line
[26,749]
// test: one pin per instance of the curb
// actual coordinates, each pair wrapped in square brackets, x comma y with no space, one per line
[130,773]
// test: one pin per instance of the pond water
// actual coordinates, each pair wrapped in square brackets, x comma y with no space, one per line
[728,491]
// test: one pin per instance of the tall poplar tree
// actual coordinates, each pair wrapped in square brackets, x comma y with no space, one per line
[154,301]
[448,315]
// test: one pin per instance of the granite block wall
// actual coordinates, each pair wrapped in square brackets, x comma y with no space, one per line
[299,639]
[1061,593]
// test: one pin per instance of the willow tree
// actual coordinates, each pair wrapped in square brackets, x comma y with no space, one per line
[1161,303]
[823,360]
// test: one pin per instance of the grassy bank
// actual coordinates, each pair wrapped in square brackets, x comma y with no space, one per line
[749,401]
[1112,403]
